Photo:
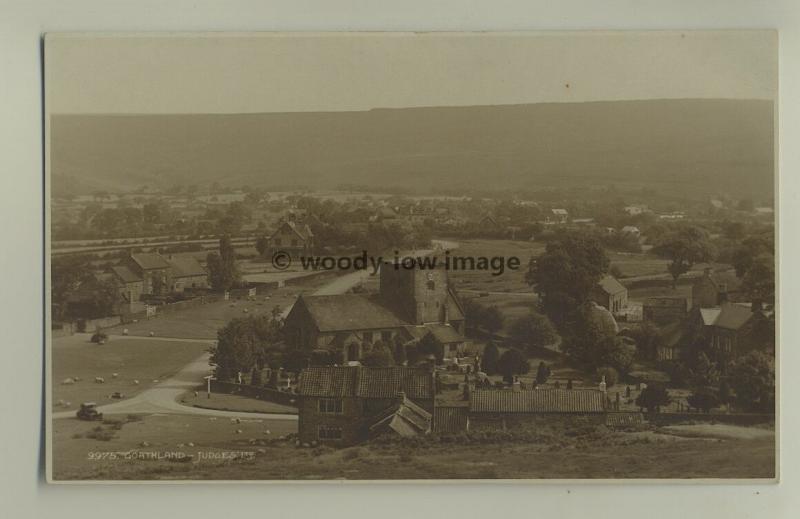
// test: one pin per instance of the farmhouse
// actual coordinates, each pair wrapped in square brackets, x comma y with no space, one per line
[155,272]
[411,305]
[344,405]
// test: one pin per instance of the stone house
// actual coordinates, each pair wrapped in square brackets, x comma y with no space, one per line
[187,273]
[155,272]
[345,405]
[129,285]
[712,288]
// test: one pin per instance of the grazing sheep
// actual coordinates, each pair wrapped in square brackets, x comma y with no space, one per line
[152,334]
[238,431]
[125,331]
[114,375]
[99,380]
[135,382]
[68,381]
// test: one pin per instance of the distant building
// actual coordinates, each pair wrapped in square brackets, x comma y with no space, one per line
[129,285]
[187,273]
[293,238]
[712,288]
[154,271]
[662,310]
[610,294]
[631,230]
[345,405]
[558,215]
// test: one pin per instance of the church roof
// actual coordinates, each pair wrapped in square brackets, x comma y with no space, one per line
[343,312]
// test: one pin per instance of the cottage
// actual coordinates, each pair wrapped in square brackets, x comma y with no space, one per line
[610,294]
[343,405]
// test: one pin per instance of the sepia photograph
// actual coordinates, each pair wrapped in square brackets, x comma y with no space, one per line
[411,256]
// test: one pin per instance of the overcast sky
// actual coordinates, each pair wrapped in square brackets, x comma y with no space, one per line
[341,72]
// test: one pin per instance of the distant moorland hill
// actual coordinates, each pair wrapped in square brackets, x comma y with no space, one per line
[688,147]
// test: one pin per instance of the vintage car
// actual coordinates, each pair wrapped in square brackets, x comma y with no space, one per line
[88,411]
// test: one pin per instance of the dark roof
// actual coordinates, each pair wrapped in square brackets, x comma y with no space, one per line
[610,285]
[538,401]
[186,266]
[733,316]
[444,333]
[344,312]
[403,418]
[149,261]
[450,419]
[366,382]
[125,274]
[301,230]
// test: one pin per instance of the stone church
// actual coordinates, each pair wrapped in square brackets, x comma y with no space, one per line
[411,305]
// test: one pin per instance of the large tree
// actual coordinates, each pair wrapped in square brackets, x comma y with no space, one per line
[489,359]
[512,362]
[532,331]
[752,377]
[565,274]
[223,272]
[684,247]
[246,343]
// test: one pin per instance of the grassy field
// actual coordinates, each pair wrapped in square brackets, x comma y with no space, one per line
[481,280]
[225,402]
[144,360]
[596,453]
[202,322]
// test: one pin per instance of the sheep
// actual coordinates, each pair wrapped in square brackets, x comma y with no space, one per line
[135,382]
[114,375]
[125,331]
[99,380]
[68,381]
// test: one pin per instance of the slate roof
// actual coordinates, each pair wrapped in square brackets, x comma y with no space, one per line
[186,266]
[450,419]
[444,333]
[342,312]
[125,274]
[150,261]
[730,316]
[404,418]
[366,382]
[538,401]
[610,285]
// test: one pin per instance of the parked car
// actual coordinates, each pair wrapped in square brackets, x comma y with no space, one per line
[88,411]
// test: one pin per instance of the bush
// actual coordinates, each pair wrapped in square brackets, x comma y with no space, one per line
[99,337]
[653,397]
[704,399]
